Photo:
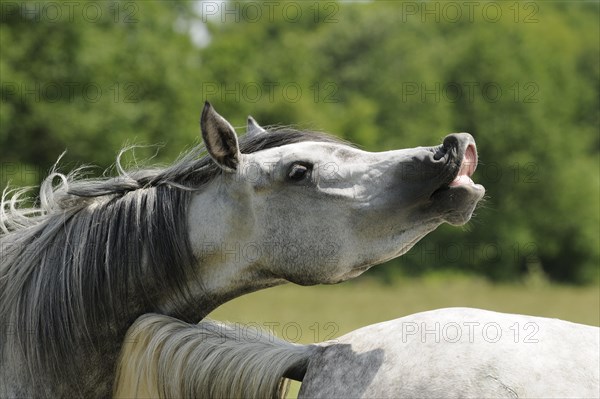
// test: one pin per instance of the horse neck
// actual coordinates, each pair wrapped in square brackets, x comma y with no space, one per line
[219,284]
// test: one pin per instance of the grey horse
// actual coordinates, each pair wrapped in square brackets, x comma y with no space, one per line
[445,353]
[230,217]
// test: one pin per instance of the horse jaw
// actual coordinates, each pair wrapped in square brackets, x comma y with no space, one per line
[226,270]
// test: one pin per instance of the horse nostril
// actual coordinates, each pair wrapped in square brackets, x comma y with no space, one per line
[439,153]
[449,146]
[450,142]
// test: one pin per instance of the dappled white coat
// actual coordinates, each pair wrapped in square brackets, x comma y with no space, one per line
[459,352]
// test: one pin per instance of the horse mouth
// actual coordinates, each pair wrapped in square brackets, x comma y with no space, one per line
[461,177]
[456,198]
[467,168]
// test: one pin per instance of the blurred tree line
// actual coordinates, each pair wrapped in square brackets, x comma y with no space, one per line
[522,77]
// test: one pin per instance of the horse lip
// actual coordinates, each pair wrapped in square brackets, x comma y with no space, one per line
[467,167]
[461,175]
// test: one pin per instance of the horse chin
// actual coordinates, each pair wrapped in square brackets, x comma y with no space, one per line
[456,204]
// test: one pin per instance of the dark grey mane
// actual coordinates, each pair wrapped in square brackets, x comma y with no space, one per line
[96,253]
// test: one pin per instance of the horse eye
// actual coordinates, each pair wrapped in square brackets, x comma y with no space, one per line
[298,172]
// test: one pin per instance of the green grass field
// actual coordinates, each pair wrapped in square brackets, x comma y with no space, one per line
[357,303]
[309,314]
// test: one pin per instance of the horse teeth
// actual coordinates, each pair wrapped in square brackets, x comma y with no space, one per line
[461,180]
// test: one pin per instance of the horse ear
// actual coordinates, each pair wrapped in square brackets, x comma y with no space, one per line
[220,139]
[253,128]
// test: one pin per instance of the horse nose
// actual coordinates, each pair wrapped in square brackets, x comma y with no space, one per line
[455,145]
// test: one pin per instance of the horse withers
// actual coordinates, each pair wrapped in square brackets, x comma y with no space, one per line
[230,217]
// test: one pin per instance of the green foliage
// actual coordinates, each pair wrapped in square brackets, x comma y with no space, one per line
[521,77]
[91,79]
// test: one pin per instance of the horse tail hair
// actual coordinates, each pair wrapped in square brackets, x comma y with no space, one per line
[167,358]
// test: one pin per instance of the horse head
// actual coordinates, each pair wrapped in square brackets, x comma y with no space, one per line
[319,210]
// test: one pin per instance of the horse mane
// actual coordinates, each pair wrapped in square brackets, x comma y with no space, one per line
[94,251]
[167,358]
